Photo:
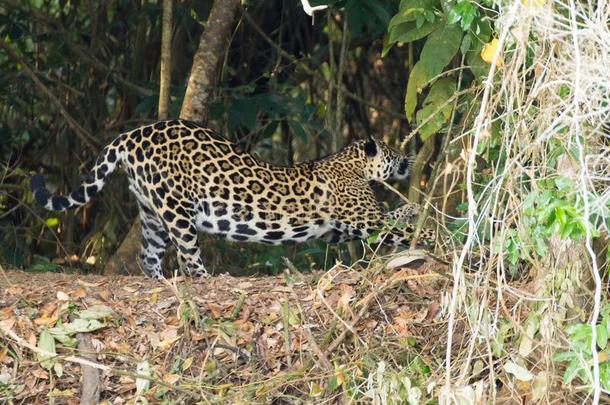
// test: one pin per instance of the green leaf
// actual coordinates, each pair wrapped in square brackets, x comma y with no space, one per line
[333,383]
[564,356]
[602,336]
[417,80]
[571,371]
[440,48]
[473,57]
[96,312]
[409,32]
[298,130]
[440,92]
[46,342]
[409,9]
[415,20]
[604,375]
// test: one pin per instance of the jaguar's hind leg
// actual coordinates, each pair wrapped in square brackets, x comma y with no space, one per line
[189,254]
[183,234]
[154,243]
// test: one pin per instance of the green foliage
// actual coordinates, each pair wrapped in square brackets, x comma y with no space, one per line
[550,209]
[439,50]
[436,110]
[465,12]
[415,20]
[448,27]
[579,357]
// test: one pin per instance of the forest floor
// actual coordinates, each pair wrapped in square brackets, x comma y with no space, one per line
[221,339]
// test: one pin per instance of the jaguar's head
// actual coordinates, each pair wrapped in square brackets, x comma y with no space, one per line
[383,162]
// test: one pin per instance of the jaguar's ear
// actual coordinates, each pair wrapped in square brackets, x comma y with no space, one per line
[370,147]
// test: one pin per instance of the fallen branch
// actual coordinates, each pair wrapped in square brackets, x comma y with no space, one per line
[90,393]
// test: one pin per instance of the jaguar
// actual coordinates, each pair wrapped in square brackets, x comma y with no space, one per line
[188,179]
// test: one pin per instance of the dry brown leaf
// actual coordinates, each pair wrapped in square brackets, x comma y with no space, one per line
[62,296]
[433,309]
[41,373]
[31,338]
[87,284]
[104,295]
[7,312]
[214,309]
[3,353]
[344,301]
[244,285]
[168,337]
[79,293]
[120,347]
[7,324]
[171,378]
[14,290]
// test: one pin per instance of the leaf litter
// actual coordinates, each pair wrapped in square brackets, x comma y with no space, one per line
[217,340]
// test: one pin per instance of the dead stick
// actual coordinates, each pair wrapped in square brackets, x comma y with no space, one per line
[78,360]
[90,393]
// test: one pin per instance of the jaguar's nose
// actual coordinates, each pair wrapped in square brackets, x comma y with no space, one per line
[403,168]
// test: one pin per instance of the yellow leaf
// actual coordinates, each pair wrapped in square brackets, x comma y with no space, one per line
[51,222]
[339,376]
[488,52]
[167,342]
[154,297]
[315,390]
[187,364]
[69,393]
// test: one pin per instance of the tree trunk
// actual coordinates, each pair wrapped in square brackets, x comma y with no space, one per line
[194,107]
[165,75]
[205,63]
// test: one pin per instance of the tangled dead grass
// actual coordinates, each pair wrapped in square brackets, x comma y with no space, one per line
[549,99]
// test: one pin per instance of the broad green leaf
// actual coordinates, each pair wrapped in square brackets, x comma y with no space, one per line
[565,356]
[440,48]
[96,312]
[409,32]
[604,375]
[571,371]
[414,20]
[417,80]
[333,384]
[46,342]
[473,57]
[59,369]
[409,7]
[439,94]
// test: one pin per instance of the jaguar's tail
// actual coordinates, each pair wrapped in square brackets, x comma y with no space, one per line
[93,182]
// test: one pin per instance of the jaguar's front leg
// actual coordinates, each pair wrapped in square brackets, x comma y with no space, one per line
[404,213]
